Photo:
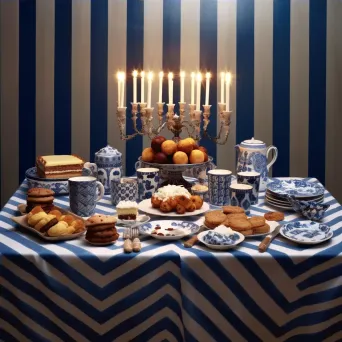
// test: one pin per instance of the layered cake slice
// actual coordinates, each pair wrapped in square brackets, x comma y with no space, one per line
[127,210]
[59,166]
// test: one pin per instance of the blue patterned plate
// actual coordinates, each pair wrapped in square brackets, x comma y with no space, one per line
[59,186]
[306,232]
[169,229]
[295,187]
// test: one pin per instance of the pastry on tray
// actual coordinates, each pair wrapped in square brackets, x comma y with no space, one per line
[54,223]
[127,210]
[236,219]
[175,198]
[59,166]
[40,197]
[101,229]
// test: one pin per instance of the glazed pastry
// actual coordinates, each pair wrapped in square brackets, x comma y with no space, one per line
[34,219]
[67,218]
[61,228]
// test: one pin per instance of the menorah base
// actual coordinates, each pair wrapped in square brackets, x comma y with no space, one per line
[174,178]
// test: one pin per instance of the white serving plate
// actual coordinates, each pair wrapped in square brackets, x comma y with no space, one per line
[221,230]
[146,207]
[272,224]
[22,221]
[181,229]
[296,232]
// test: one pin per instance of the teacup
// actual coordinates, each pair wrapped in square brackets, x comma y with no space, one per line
[126,189]
[83,195]
[148,180]
[218,182]
[250,178]
[240,196]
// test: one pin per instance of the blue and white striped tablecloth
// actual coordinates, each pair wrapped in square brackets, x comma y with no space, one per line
[71,291]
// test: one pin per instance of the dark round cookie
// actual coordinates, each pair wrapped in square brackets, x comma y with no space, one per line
[40,192]
[100,228]
[103,240]
[102,234]
[40,200]
[50,224]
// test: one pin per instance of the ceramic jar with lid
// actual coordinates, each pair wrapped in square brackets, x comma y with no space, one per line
[107,166]
[252,156]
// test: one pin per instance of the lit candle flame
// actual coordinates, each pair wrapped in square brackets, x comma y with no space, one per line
[170,76]
[150,75]
[135,73]
[182,74]
[142,74]
[207,75]
[192,75]
[222,74]
[161,74]
[199,76]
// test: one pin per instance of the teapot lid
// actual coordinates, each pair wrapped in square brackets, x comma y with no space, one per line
[108,151]
[253,143]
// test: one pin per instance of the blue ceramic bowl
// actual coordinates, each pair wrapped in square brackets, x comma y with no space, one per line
[310,209]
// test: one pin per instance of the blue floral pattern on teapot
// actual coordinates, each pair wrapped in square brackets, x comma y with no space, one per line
[107,166]
[253,157]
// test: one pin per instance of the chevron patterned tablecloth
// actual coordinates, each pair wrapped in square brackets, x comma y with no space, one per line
[71,291]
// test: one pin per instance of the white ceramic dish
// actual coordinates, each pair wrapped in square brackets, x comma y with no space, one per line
[221,230]
[179,230]
[146,207]
[22,221]
[306,232]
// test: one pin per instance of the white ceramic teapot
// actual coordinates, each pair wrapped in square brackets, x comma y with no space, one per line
[253,156]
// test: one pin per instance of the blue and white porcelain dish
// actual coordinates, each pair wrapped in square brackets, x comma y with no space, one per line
[220,238]
[169,229]
[58,185]
[310,209]
[295,187]
[306,232]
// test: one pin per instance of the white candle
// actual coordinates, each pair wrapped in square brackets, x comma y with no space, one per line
[161,75]
[198,94]
[118,76]
[135,75]
[192,88]
[222,87]
[170,76]
[207,84]
[182,77]
[142,74]
[228,80]
[123,76]
[149,88]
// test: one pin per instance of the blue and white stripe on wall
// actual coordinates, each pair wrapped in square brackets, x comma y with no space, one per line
[58,92]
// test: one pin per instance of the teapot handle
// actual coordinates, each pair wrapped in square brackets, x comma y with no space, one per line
[275,156]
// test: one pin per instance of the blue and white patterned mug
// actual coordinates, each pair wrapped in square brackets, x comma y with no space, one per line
[251,178]
[83,195]
[218,183]
[148,180]
[126,189]
[240,196]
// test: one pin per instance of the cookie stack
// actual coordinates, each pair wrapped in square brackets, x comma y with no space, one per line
[101,229]
[40,197]
[214,218]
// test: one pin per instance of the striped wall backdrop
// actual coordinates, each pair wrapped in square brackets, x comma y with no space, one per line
[58,93]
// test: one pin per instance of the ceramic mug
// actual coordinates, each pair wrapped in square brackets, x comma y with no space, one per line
[83,195]
[218,182]
[250,178]
[148,180]
[240,196]
[126,189]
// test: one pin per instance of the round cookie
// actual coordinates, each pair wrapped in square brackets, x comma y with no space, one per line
[274,216]
[238,215]
[257,221]
[102,234]
[229,209]
[100,227]
[43,200]
[103,240]
[214,218]
[247,232]
[39,192]
[261,230]
[239,224]
[99,219]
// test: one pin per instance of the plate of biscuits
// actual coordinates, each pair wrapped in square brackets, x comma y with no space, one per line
[57,225]
[174,201]
[236,219]
[101,230]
